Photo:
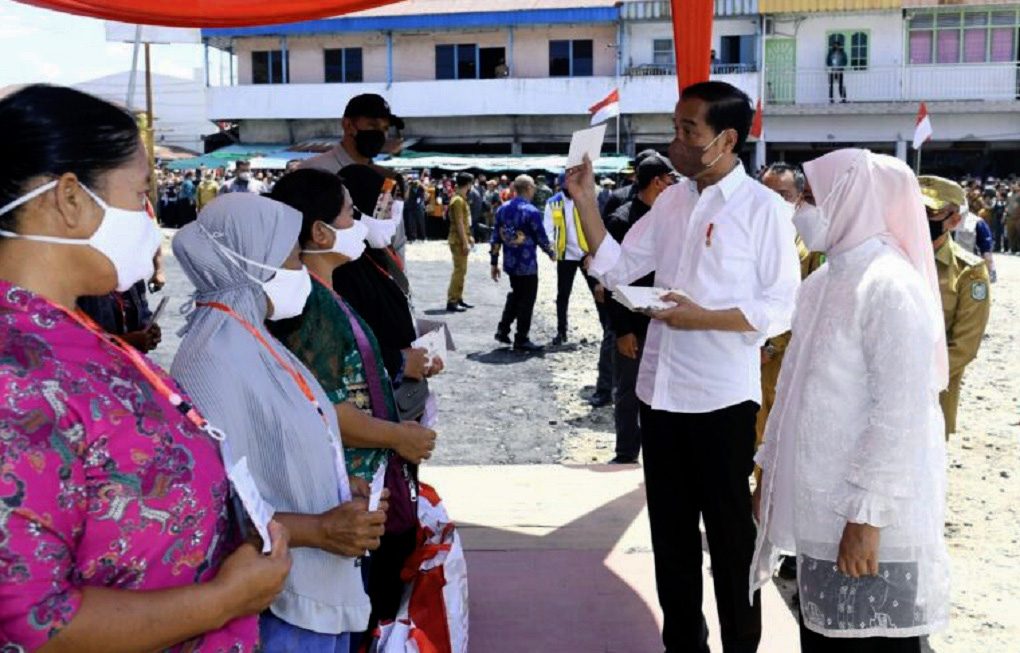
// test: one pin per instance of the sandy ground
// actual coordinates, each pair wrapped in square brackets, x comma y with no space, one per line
[498,407]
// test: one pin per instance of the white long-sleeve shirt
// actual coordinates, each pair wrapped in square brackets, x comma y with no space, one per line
[731,246]
[856,435]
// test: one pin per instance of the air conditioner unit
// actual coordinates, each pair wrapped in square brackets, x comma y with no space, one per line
[770,26]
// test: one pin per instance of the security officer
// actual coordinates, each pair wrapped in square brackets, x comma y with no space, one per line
[963,281]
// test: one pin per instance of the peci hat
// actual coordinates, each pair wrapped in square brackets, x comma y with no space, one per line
[939,192]
[370,105]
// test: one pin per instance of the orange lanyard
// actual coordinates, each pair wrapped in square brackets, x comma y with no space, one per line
[155,380]
[306,390]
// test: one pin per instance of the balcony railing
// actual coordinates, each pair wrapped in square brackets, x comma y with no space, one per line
[993,81]
[656,69]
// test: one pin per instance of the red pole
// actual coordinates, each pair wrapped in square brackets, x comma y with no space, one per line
[692,40]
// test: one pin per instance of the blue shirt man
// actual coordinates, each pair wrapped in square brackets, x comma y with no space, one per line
[519,233]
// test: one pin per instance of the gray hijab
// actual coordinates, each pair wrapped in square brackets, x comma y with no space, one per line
[240,387]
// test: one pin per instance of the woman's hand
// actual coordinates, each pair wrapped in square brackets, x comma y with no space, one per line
[251,581]
[350,529]
[858,550]
[416,364]
[415,443]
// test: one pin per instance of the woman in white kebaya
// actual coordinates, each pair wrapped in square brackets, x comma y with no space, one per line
[854,460]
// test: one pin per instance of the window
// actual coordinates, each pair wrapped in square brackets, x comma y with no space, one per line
[457,61]
[963,36]
[343,65]
[738,54]
[855,44]
[663,53]
[571,58]
[267,67]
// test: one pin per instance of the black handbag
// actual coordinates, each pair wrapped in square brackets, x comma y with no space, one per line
[411,397]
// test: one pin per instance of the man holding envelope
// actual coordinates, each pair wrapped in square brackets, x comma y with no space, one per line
[727,243]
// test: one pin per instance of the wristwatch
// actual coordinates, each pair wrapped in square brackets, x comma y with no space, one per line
[770,349]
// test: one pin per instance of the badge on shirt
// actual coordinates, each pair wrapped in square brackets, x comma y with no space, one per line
[979,291]
[258,509]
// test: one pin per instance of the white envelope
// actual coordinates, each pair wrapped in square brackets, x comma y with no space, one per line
[586,141]
[642,298]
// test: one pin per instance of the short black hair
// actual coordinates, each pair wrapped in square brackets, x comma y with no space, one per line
[781,168]
[651,168]
[728,108]
[53,130]
[464,179]
[317,194]
[241,162]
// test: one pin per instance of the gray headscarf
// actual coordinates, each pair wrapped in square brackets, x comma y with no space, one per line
[241,388]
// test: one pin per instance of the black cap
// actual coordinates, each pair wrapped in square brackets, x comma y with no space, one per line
[651,167]
[642,155]
[370,105]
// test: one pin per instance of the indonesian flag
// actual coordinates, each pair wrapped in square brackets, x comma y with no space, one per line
[757,126]
[606,109]
[923,130]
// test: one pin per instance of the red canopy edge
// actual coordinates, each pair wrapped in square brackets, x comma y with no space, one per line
[208,13]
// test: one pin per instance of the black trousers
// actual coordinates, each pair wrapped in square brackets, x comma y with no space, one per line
[812,642]
[626,405]
[566,272]
[698,465]
[520,306]
[836,79]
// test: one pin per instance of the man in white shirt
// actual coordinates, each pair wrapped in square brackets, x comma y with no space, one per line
[242,181]
[725,244]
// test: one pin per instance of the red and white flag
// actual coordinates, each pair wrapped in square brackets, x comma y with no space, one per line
[606,109]
[922,130]
[757,125]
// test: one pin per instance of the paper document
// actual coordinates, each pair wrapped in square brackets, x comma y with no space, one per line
[258,509]
[431,416]
[434,343]
[586,141]
[378,483]
[423,326]
[643,298]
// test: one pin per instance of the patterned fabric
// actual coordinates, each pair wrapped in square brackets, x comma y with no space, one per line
[104,483]
[323,340]
[520,232]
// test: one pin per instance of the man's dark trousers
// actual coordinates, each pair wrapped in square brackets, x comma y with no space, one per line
[566,272]
[626,405]
[698,465]
[520,306]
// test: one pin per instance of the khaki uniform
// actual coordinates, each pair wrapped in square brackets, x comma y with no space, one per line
[964,285]
[809,262]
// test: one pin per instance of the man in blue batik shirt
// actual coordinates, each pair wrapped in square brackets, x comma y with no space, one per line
[519,233]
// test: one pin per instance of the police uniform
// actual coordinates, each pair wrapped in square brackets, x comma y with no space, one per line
[964,285]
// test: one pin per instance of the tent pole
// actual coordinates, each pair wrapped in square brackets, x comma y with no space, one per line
[130,102]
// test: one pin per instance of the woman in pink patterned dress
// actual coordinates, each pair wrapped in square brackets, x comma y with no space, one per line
[114,515]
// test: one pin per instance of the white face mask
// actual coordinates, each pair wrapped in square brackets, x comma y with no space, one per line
[349,242]
[813,226]
[244,176]
[128,239]
[288,290]
[380,232]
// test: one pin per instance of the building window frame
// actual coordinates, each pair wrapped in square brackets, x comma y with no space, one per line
[572,57]
[663,52]
[347,76]
[854,60]
[274,59]
[961,20]
[458,61]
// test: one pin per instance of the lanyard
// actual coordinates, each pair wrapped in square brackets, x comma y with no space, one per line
[368,358]
[306,390]
[155,380]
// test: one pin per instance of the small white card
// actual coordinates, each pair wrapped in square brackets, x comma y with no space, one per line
[258,509]
[586,141]
[430,418]
[434,342]
[378,483]
[643,298]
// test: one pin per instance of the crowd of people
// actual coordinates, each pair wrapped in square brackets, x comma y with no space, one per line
[263,494]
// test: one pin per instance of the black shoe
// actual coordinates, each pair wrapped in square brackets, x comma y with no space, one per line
[788,568]
[623,460]
[454,308]
[600,400]
[464,304]
[504,338]
[559,340]
[528,347]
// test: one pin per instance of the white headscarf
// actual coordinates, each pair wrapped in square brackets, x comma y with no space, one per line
[867,195]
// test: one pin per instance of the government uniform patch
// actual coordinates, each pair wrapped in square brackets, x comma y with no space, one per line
[979,291]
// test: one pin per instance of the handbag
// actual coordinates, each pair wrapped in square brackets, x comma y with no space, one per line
[411,397]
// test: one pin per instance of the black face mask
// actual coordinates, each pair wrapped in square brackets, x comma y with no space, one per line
[937,228]
[369,142]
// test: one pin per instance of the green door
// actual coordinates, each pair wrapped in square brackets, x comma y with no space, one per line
[780,70]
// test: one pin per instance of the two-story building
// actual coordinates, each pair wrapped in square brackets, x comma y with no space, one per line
[513,76]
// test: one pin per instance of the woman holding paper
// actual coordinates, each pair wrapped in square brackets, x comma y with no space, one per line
[242,256]
[114,532]
[341,350]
